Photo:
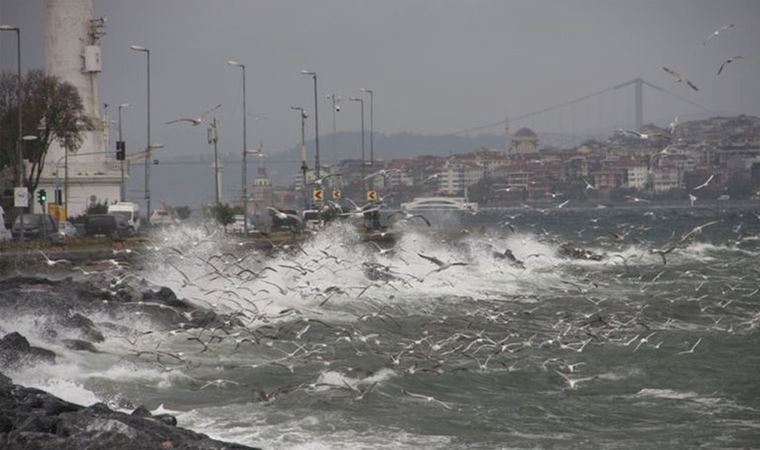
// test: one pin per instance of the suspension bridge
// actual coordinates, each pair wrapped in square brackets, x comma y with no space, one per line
[638,102]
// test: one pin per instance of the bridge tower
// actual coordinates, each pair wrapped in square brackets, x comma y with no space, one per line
[639,94]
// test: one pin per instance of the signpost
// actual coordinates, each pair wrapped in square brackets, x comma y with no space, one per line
[372,196]
[337,194]
[318,195]
[20,197]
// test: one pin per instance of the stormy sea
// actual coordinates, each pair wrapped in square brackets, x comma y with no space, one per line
[508,328]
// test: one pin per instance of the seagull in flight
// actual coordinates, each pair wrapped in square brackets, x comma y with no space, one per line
[407,216]
[441,265]
[704,185]
[679,78]
[195,121]
[692,199]
[320,181]
[588,185]
[717,32]
[385,173]
[728,61]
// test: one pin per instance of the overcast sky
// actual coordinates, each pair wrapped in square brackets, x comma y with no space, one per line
[436,66]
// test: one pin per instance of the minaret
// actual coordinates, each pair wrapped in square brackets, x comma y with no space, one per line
[507,138]
[73,55]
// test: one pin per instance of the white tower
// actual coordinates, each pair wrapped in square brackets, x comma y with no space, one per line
[72,54]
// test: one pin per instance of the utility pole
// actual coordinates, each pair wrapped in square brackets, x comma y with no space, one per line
[304,166]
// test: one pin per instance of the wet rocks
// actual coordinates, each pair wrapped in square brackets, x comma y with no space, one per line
[34,419]
[15,351]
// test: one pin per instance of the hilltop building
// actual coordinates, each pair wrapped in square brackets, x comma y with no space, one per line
[524,141]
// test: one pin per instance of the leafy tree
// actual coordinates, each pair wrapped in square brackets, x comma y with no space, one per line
[223,213]
[52,110]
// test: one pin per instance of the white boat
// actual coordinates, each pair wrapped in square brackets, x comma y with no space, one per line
[440,204]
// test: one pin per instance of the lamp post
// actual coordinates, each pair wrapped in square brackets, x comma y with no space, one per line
[137,48]
[361,101]
[20,92]
[304,166]
[213,138]
[122,193]
[245,152]
[316,122]
[371,124]
[335,98]
[19,95]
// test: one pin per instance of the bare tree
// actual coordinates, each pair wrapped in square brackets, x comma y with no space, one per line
[53,112]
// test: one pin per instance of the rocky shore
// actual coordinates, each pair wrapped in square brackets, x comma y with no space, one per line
[31,419]
[75,314]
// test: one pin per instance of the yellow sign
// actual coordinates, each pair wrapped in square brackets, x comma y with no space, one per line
[318,195]
[371,196]
[58,212]
[337,195]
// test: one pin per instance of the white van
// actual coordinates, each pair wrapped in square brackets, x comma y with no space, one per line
[129,211]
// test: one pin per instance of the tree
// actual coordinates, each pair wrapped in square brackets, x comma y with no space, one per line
[223,213]
[52,110]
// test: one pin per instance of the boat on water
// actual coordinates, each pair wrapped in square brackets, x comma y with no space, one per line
[442,204]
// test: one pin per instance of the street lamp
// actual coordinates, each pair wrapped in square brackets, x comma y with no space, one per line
[371,124]
[304,166]
[335,98]
[123,149]
[361,100]
[245,153]
[316,122]
[137,48]
[20,93]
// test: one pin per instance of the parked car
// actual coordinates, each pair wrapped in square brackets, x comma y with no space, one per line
[107,225]
[35,226]
[130,211]
[67,230]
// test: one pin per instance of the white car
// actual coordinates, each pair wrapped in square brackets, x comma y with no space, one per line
[161,217]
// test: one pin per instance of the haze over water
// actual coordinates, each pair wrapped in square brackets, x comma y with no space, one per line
[340,346]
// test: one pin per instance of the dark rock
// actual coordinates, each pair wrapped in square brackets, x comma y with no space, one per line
[84,325]
[163,295]
[34,419]
[79,345]
[15,351]
[168,419]
[6,424]
[141,411]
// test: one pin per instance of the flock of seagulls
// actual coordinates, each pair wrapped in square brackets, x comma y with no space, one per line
[678,78]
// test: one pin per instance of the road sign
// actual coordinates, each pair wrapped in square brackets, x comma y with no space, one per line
[371,196]
[20,197]
[337,195]
[318,195]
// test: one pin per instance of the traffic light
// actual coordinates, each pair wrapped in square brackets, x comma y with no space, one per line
[121,150]
[41,196]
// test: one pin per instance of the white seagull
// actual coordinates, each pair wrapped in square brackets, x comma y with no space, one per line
[679,78]
[717,32]
[704,185]
[728,61]
[195,121]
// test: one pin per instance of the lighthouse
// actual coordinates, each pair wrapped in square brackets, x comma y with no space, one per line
[91,173]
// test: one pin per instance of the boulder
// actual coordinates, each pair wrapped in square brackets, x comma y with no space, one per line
[34,419]
[15,352]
